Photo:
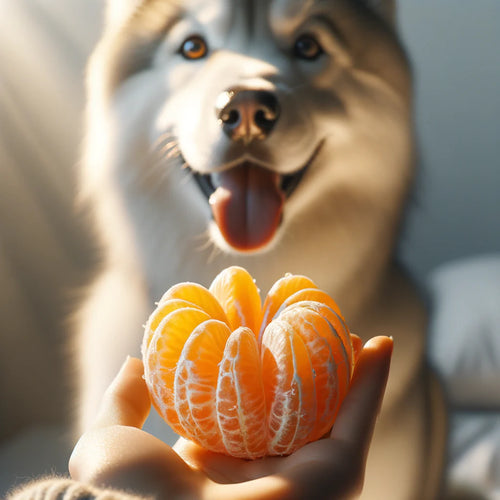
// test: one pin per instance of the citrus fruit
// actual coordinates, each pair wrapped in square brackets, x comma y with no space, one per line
[246,379]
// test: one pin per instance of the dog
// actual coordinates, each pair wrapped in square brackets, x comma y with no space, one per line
[272,134]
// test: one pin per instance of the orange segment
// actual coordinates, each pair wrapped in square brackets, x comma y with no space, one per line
[312,294]
[164,308]
[196,383]
[197,295]
[338,325]
[357,345]
[161,356]
[289,387]
[241,408]
[331,370]
[280,291]
[239,297]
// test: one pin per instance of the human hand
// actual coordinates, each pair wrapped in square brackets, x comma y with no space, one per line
[116,453]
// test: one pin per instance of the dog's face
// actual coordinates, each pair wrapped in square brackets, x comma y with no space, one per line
[290,118]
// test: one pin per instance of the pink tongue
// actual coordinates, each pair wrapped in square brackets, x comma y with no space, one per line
[247,206]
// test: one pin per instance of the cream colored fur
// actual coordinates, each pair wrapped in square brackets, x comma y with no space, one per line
[150,112]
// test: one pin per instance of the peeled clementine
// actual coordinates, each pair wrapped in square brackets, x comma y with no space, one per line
[244,379]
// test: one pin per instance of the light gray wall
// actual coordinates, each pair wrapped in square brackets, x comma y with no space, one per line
[455,48]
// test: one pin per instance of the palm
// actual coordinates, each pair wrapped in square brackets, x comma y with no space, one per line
[116,452]
[320,469]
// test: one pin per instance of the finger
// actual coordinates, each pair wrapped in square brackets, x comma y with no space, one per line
[126,401]
[356,420]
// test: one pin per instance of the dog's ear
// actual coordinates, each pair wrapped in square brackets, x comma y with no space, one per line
[386,9]
[117,11]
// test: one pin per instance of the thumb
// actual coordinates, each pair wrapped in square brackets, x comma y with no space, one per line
[359,411]
[126,401]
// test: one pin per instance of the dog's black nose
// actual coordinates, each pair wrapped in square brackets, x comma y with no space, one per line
[247,115]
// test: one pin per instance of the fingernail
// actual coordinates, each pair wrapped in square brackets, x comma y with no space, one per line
[372,343]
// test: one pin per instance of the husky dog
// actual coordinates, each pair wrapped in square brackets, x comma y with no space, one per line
[272,134]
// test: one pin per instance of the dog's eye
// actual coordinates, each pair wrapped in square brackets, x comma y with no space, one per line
[307,47]
[194,47]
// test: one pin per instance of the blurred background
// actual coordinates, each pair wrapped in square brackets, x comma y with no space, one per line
[451,242]
[454,46]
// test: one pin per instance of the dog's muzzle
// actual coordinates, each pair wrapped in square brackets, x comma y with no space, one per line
[247,200]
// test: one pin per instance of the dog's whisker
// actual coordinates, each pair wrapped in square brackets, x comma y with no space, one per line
[169,145]
[160,167]
[214,253]
[174,152]
[207,244]
[163,160]
[165,136]
[204,241]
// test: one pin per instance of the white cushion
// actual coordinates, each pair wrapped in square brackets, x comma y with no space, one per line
[465,330]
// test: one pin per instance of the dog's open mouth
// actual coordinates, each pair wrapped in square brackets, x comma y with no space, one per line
[287,183]
[247,202]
